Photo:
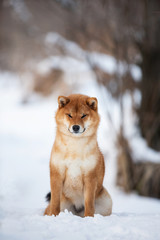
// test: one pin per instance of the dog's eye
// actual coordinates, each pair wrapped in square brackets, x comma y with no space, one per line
[69,115]
[84,115]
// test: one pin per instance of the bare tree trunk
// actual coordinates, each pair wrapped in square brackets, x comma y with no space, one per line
[149,112]
[142,177]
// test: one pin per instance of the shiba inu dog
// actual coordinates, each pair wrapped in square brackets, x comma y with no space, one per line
[77,164]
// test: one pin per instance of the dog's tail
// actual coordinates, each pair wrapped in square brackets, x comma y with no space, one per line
[48,197]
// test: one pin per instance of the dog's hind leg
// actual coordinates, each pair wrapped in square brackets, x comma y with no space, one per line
[103,203]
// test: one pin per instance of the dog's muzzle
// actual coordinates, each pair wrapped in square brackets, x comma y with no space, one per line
[76,129]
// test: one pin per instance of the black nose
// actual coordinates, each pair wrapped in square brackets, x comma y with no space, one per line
[76,128]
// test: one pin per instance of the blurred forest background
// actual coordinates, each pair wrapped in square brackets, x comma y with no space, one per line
[33,32]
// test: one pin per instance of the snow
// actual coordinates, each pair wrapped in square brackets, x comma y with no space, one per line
[26,136]
[66,226]
[136,73]
[142,151]
[138,145]
[105,62]
[20,9]
[67,64]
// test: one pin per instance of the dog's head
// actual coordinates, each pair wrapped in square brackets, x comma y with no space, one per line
[77,115]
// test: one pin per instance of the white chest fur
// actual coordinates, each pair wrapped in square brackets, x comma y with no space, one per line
[74,166]
[75,158]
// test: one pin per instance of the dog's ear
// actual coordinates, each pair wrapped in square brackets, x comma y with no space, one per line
[92,103]
[62,101]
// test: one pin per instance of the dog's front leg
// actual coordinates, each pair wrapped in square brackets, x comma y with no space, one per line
[56,189]
[89,195]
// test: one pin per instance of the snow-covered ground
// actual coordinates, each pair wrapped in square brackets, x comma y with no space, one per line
[26,136]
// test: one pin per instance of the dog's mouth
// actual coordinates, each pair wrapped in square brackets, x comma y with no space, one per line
[77,131]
